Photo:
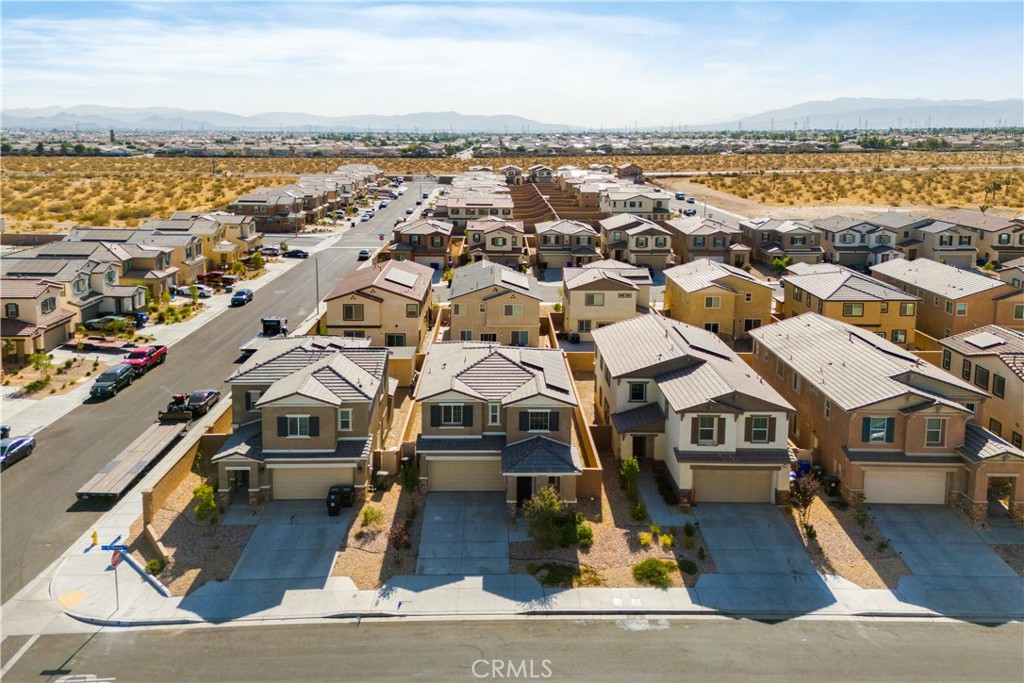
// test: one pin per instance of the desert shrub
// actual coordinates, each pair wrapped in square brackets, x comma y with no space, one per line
[666,489]
[584,535]
[549,523]
[638,511]
[154,566]
[409,476]
[206,505]
[644,538]
[371,516]
[629,470]
[689,529]
[701,554]
[655,530]
[688,542]
[653,572]
[37,385]
[688,567]
[810,532]
[667,540]
[881,546]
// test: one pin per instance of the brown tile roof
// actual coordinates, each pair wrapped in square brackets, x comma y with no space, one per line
[404,278]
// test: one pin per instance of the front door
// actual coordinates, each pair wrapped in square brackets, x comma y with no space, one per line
[639,447]
[524,489]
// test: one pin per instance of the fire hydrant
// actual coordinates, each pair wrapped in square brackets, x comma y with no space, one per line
[95,538]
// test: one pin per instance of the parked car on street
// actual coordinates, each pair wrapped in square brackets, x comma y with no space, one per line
[680,195]
[296,253]
[241,297]
[102,323]
[204,291]
[364,254]
[145,358]
[270,251]
[200,402]
[112,380]
[383,205]
[689,212]
[690,200]
[365,217]
[15,448]
[410,211]
[426,195]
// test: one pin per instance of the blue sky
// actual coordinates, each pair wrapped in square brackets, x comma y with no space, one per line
[610,64]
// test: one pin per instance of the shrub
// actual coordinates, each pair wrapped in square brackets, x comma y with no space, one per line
[667,489]
[645,539]
[629,470]
[37,385]
[747,267]
[548,519]
[372,516]
[688,542]
[667,540]
[653,572]
[688,567]
[584,535]
[409,476]
[805,490]
[689,529]
[154,566]
[68,363]
[701,554]
[881,546]
[206,506]
[638,511]
[810,532]
[654,529]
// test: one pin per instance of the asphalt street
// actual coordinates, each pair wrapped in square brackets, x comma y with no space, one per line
[556,650]
[39,514]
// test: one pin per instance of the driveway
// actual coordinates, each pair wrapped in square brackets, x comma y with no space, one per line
[463,534]
[293,539]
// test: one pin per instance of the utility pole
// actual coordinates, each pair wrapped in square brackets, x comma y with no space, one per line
[316,265]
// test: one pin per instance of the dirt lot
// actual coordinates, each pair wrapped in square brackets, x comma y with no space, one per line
[200,551]
[844,547]
[62,378]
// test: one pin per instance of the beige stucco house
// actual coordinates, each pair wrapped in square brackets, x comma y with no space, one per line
[492,303]
[717,297]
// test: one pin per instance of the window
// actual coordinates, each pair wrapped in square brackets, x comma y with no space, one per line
[945,240]
[698,242]
[593,299]
[616,236]
[458,309]
[520,337]
[961,309]
[828,409]
[353,334]
[821,307]
[298,426]
[798,294]
[498,241]
[809,298]
[899,336]
[539,421]
[488,337]
[641,242]
[493,413]
[780,368]
[659,242]
[394,339]
[934,432]
[1018,312]
[451,415]
[78,286]
[965,369]
[638,391]
[748,297]
[712,302]
[947,359]
[476,237]
[995,426]
[352,312]
[583,326]
[412,310]
[853,310]
[908,308]
[971,407]
[11,310]
[706,430]
[718,242]
[435,240]
[883,239]
[759,429]
[885,307]
[345,420]
[483,307]
[711,327]
[49,304]
[998,386]
[625,295]
[513,310]
[949,307]
[1016,440]
[965,240]
[1004,238]
[756,349]
[111,276]
[798,240]
[414,239]
[981,377]
[796,383]
[466,335]
[877,429]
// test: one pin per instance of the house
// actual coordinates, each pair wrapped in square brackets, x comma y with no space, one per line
[771,239]
[425,241]
[497,418]
[717,297]
[388,303]
[890,426]
[595,297]
[513,174]
[996,238]
[308,413]
[469,206]
[498,240]
[919,237]
[694,237]
[183,264]
[34,317]
[953,300]
[638,275]
[636,240]
[540,174]
[678,396]
[854,243]
[492,303]
[630,171]
[565,243]
[1012,272]
[848,296]
[992,357]
[649,204]
[272,212]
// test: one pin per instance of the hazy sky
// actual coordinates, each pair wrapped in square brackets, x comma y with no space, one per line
[595,64]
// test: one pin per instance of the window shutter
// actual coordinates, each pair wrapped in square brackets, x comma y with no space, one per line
[314,426]
[553,421]
[248,401]
[467,416]
[435,416]
[890,428]
[524,421]
[771,429]
[694,430]
[748,429]
[282,426]
[721,431]
[865,429]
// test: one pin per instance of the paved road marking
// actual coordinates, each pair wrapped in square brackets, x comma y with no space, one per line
[17,655]
[71,599]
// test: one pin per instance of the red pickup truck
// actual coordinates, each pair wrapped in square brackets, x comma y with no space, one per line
[146,357]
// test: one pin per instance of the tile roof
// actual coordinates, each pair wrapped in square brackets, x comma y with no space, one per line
[835,283]
[625,221]
[977,220]
[696,225]
[637,274]
[648,415]
[836,223]
[866,455]
[488,443]
[702,273]
[574,278]
[540,455]
[895,219]
[483,274]
[990,340]
[278,358]
[25,288]
[854,367]
[778,456]
[424,226]
[937,278]
[405,278]
[564,227]
[334,379]
[981,444]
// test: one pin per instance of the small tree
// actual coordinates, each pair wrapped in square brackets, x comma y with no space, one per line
[547,515]
[805,490]
[780,264]
[193,293]
[206,506]
[42,362]
[283,246]
[257,261]
[115,327]
[629,468]
[166,296]
[238,268]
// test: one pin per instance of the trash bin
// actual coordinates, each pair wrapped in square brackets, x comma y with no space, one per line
[817,471]
[334,501]
[832,487]
[348,495]
[803,467]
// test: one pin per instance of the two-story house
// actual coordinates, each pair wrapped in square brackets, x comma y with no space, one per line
[425,241]
[595,297]
[771,239]
[492,303]
[996,238]
[636,240]
[953,300]
[919,237]
[695,237]
[638,275]
[498,240]
[34,318]
[565,243]
[465,207]
[513,174]
[308,413]
[1012,272]
[889,425]
[630,171]
[540,174]
[717,297]
[389,303]
[678,396]
[497,418]
[855,243]
[272,213]
[992,357]
[848,296]
[647,204]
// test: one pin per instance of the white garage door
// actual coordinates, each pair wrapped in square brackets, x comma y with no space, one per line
[465,475]
[918,487]
[727,485]
[308,483]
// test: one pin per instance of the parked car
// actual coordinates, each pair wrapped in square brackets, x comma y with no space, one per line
[204,291]
[364,254]
[410,211]
[426,195]
[112,380]
[383,204]
[140,319]
[689,212]
[200,402]
[270,251]
[296,253]
[690,200]
[241,297]
[365,217]
[418,202]
[680,195]
[401,191]
[145,358]
[102,323]
[14,449]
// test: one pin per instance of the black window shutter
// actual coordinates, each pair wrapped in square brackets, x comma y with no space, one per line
[553,421]
[771,429]
[314,426]
[467,416]
[248,401]
[721,430]
[282,426]
[890,429]
[748,429]
[695,430]
[865,429]
[435,416]
[524,421]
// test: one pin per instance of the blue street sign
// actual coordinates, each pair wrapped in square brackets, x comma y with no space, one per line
[116,539]
[122,548]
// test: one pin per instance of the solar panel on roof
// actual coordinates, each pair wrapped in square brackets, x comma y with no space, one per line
[984,340]
[401,277]
[515,279]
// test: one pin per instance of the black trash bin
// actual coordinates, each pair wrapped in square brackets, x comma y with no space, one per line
[334,501]
[832,487]
[348,495]
[818,472]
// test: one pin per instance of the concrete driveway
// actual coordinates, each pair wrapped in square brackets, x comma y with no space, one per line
[463,534]
[293,539]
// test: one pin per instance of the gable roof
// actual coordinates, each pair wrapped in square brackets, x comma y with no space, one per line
[981,444]
[636,274]
[836,283]
[276,359]
[424,226]
[405,278]
[624,221]
[334,379]
[483,274]
[895,220]
[574,278]
[937,278]
[977,220]
[540,455]
[702,273]
[564,226]
[26,288]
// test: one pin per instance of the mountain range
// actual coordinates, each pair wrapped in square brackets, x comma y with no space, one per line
[844,113]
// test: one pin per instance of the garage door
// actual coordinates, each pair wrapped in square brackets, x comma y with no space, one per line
[55,337]
[918,487]
[308,483]
[465,475]
[734,486]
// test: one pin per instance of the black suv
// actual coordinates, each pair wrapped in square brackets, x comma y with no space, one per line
[112,381]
